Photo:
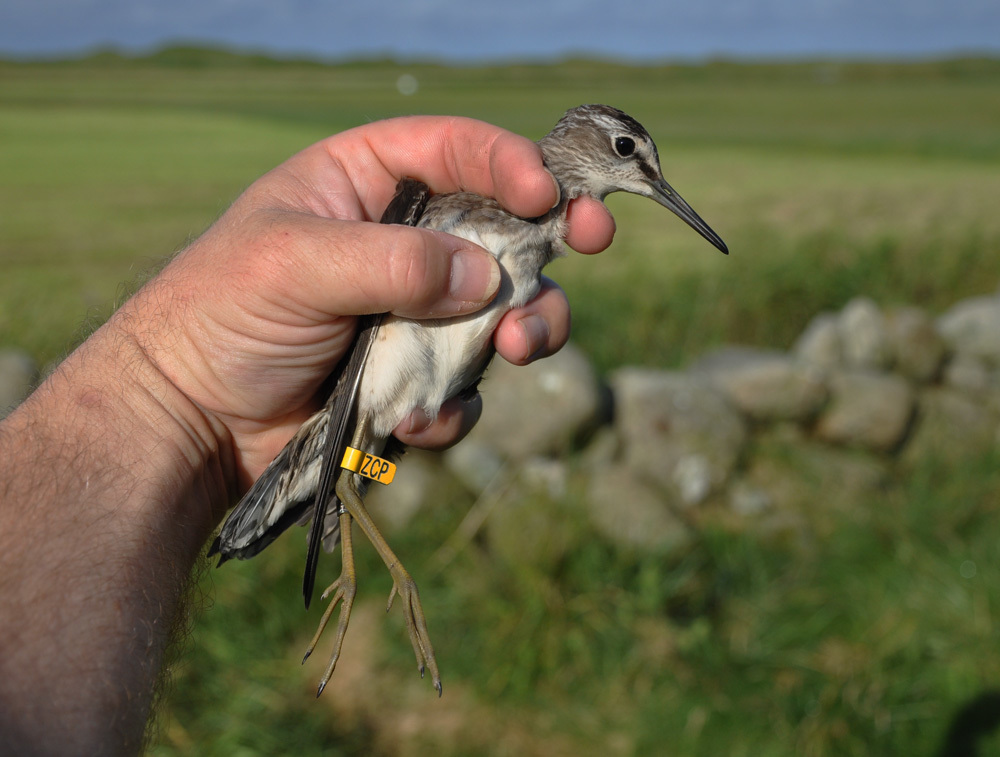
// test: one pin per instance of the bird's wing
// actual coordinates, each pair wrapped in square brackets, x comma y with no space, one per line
[408,204]
[340,420]
[280,497]
[406,207]
[286,493]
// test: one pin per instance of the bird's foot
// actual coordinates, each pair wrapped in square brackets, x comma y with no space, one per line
[403,584]
[416,626]
[343,590]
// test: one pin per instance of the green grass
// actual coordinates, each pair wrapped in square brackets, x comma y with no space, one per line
[807,171]
[827,180]
[861,640]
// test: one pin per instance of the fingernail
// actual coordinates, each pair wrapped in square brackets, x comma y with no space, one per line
[536,335]
[475,276]
[555,183]
[416,421]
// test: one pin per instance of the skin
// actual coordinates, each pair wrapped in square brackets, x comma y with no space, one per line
[116,471]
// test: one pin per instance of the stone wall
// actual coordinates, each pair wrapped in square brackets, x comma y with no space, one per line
[758,437]
[754,436]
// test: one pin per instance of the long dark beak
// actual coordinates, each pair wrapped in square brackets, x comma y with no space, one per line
[664,194]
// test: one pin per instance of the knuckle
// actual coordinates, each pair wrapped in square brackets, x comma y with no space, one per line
[272,238]
[269,243]
[412,270]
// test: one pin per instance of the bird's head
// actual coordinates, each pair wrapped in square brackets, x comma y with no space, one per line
[596,150]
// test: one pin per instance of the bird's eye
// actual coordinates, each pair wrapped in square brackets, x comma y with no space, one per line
[624,146]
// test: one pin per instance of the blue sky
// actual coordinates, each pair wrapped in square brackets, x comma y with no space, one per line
[467,30]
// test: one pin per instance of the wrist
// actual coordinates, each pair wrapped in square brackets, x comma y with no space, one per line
[110,406]
[191,448]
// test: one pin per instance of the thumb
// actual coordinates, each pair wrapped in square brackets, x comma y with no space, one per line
[356,267]
[433,274]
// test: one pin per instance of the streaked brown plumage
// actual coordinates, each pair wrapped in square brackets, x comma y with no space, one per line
[397,364]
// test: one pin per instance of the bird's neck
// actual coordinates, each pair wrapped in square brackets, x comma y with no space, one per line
[557,215]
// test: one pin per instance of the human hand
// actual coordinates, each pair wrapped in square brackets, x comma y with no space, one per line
[249,320]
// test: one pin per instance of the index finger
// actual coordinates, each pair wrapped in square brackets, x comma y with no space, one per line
[448,153]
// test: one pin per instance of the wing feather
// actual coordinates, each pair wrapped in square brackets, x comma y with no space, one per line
[298,485]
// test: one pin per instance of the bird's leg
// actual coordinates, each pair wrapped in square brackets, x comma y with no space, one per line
[345,588]
[403,583]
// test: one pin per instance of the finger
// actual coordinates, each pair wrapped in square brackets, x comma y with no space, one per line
[322,267]
[455,419]
[449,154]
[591,226]
[518,184]
[537,330]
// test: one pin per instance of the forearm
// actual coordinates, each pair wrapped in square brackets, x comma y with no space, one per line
[110,482]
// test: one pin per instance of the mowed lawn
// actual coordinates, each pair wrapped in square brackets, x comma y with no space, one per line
[827,181]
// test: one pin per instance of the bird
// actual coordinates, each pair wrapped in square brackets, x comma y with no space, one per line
[396,365]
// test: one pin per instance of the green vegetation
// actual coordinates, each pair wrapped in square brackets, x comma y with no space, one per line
[827,179]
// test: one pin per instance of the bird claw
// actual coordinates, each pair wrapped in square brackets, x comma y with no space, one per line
[328,589]
[392,596]
[416,626]
[345,588]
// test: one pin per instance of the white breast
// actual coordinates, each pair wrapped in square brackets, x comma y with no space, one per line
[423,363]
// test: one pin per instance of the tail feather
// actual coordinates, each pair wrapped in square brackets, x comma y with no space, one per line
[282,496]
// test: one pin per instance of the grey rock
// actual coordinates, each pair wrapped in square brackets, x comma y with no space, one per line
[18,373]
[604,448]
[693,478]
[533,524]
[631,514]
[973,326]
[863,335]
[868,410]
[951,426]
[541,408]
[418,475]
[474,463]
[765,385]
[967,373]
[808,481]
[545,475]
[820,343]
[918,348]
[746,499]
[730,358]
[676,431]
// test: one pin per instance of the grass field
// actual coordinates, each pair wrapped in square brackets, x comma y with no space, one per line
[827,180]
